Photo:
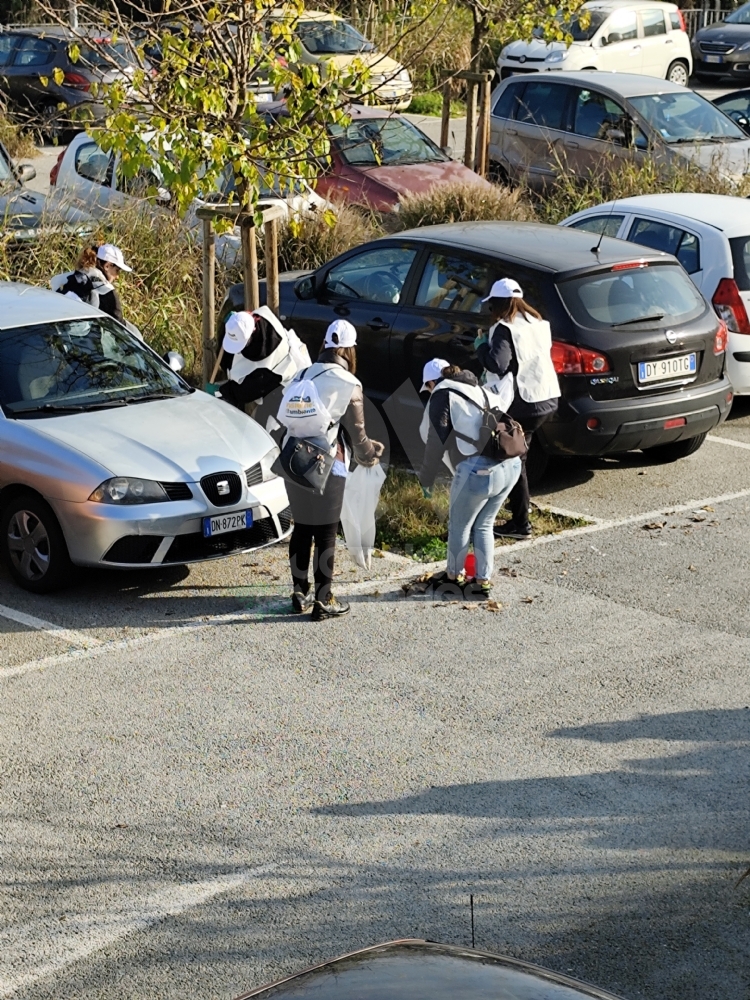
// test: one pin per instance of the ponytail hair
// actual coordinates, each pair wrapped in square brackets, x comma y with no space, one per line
[87,258]
[513,308]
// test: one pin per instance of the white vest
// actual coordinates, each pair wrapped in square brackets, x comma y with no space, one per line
[532,341]
[335,387]
[280,361]
[466,419]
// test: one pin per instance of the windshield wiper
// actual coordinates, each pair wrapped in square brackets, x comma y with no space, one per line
[150,396]
[640,319]
[69,407]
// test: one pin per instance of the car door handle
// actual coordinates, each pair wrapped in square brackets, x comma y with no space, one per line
[511,131]
[378,324]
[669,41]
[571,145]
[636,48]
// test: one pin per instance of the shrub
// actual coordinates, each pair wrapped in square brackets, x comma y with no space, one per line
[432,104]
[17,143]
[310,242]
[464,203]
[408,522]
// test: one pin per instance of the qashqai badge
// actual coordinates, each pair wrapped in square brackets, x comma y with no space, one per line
[671,336]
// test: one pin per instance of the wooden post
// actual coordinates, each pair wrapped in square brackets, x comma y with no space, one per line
[483,135]
[272,265]
[250,262]
[209,301]
[445,124]
[471,123]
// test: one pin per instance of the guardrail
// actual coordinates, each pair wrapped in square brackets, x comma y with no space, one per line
[701,17]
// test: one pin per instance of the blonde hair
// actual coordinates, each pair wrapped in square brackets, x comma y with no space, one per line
[515,306]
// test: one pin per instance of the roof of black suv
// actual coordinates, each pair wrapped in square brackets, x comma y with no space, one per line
[551,248]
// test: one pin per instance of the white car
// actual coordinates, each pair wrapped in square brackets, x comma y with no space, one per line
[710,235]
[108,458]
[91,180]
[622,36]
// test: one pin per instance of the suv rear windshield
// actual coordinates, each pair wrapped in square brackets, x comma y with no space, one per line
[658,296]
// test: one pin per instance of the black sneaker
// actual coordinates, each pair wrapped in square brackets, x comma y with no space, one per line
[323,610]
[301,602]
[474,591]
[511,530]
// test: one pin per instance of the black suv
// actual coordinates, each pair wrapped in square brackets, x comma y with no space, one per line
[638,350]
[29,57]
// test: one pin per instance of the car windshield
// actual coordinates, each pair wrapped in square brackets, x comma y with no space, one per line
[103,54]
[374,142]
[739,16]
[6,174]
[77,365]
[592,21]
[332,38]
[661,295]
[686,117]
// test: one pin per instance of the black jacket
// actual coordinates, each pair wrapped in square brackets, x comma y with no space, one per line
[439,435]
[498,356]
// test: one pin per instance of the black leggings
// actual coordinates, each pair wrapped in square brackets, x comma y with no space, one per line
[518,501]
[316,519]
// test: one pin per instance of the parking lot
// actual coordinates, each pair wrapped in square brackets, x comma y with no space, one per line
[201,792]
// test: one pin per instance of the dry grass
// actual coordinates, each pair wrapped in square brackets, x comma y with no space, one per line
[19,144]
[464,203]
[310,242]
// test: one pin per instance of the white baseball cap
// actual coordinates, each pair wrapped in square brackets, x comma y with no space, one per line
[113,255]
[238,330]
[432,371]
[505,288]
[340,333]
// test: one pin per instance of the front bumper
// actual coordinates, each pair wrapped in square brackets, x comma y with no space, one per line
[170,533]
[508,67]
[732,64]
[630,424]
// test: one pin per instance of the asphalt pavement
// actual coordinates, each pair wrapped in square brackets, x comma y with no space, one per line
[200,792]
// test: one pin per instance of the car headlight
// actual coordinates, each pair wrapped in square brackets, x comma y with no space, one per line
[267,461]
[557,55]
[122,490]
[403,76]
[744,48]
[377,78]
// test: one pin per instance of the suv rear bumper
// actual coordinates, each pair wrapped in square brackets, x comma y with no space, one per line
[629,424]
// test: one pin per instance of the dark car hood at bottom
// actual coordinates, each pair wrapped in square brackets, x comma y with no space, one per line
[416,178]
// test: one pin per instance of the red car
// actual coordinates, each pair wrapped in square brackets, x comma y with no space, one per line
[380,156]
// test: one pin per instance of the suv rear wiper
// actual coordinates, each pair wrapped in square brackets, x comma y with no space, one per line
[640,319]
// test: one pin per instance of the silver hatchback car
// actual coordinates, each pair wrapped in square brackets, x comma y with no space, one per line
[108,458]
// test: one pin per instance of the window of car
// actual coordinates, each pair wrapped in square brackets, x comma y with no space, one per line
[373,276]
[34,52]
[594,115]
[582,28]
[78,364]
[602,225]
[93,164]
[653,23]
[332,38]
[454,283]
[509,100]
[544,103]
[372,142]
[685,116]
[7,44]
[739,16]
[734,102]
[659,295]
[621,27]
[740,246]
[674,21]
[670,239]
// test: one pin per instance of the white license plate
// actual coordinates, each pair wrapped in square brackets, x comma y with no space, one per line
[263,98]
[221,523]
[666,368]
[714,59]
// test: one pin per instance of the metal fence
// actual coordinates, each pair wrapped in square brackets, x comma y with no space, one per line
[700,17]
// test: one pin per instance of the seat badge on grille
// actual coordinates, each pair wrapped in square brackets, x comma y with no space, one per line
[671,336]
[222,488]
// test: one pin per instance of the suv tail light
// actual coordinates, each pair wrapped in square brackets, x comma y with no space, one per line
[720,338]
[54,172]
[571,360]
[76,81]
[729,306]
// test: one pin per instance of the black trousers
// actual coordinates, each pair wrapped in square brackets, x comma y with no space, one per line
[518,499]
[316,520]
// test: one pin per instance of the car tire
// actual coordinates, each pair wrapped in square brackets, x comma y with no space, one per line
[678,73]
[664,453]
[497,173]
[537,461]
[40,564]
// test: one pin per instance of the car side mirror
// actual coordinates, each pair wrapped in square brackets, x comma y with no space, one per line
[448,150]
[175,361]
[25,172]
[617,135]
[304,288]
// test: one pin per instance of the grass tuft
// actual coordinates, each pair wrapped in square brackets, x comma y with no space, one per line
[464,203]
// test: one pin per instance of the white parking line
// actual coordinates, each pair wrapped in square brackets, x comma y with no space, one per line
[43,948]
[66,634]
[730,441]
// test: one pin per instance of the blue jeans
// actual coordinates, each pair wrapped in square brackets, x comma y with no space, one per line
[477,493]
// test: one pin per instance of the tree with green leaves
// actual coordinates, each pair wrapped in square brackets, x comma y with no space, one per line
[509,20]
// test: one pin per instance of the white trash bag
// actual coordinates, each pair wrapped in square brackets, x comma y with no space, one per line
[361,496]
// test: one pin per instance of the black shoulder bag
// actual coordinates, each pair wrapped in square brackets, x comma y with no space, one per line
[500,436]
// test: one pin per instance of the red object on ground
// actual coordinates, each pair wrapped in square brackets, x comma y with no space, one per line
[470,566]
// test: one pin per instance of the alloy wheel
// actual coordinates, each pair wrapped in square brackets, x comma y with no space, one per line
[678,74]
[28,545]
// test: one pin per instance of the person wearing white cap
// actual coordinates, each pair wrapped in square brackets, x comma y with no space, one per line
[93,277]
[316,517]
[519,344]
[265,356]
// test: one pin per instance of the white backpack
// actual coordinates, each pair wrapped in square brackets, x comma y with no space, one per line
[302,411]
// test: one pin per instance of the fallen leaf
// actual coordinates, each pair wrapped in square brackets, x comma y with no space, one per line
[120,826]
[378,554]
[471,607]
[714,524]
[493,605]
[654,525]
[697,518]
[641,473]
[563,572]
[506,571]
[708,508]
